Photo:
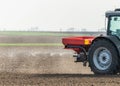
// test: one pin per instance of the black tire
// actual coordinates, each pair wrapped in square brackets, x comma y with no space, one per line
[105,61]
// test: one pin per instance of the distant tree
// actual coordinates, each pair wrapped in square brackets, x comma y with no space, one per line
[71,29]
[101,30]
[83,30]
[34,28]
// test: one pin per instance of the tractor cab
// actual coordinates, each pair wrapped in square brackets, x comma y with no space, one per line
[113,25]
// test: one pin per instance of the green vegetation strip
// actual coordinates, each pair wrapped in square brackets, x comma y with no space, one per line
[30,44]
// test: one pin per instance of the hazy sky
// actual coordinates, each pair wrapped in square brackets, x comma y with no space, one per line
[55,14]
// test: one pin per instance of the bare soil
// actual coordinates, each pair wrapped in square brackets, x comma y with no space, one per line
[30,39]
[47,66]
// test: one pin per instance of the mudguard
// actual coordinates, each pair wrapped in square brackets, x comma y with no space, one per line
[113,39]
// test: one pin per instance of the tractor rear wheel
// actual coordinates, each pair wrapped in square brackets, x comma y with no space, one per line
[103,57]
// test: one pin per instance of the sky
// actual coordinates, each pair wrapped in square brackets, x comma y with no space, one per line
[55,15]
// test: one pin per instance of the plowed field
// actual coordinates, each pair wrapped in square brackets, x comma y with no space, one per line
[45,66]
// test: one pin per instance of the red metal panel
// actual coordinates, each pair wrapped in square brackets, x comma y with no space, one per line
[80,40]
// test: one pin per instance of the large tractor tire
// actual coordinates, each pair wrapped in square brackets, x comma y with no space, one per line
[103,57]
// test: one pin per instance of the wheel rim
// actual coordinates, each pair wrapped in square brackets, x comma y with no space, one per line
[102,58]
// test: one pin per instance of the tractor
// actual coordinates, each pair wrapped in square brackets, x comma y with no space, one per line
[102,53]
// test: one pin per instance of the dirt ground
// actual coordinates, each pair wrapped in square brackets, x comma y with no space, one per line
[46,66]
[30,39]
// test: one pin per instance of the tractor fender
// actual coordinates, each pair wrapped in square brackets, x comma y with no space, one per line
[113,39]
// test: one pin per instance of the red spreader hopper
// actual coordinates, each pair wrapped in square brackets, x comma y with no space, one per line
[80,40]
[76,42]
